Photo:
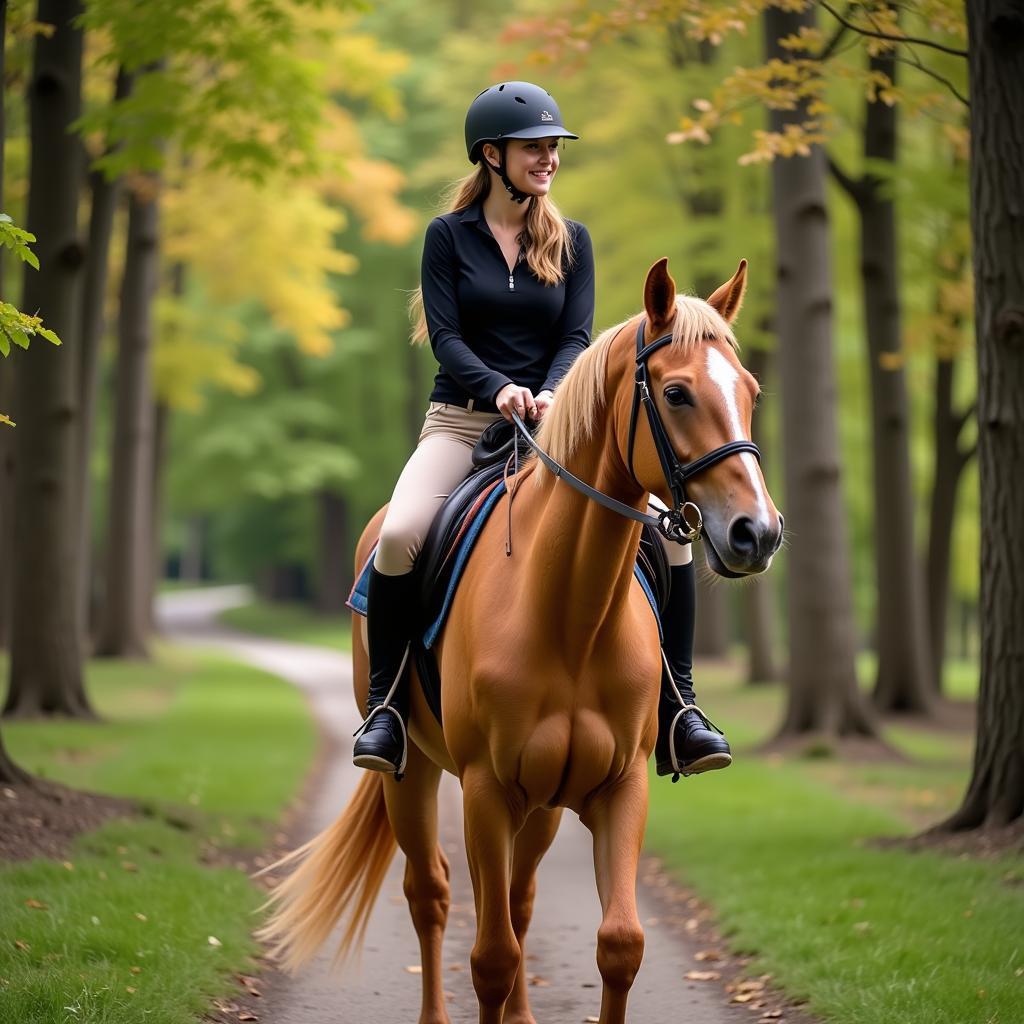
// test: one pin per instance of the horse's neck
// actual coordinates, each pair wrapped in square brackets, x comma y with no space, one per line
[578,556]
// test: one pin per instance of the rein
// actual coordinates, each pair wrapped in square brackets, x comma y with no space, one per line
[682,523]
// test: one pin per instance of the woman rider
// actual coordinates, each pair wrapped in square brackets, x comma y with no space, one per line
[507,288]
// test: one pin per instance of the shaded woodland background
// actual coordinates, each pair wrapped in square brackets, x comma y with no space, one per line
[228,202]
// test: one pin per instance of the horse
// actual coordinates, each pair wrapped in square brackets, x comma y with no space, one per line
[551,664]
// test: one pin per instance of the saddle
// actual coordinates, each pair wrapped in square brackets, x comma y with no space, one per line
[450,541]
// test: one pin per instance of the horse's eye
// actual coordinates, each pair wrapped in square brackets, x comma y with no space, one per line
[677,396]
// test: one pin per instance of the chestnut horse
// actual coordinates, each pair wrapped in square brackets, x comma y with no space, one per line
[551,666]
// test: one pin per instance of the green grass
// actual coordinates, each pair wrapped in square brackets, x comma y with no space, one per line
[866,935]
[295,622]
[213,751]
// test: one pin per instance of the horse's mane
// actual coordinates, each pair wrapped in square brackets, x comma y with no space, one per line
[579,398]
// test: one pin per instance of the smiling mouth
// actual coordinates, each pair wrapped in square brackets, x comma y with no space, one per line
[541,174]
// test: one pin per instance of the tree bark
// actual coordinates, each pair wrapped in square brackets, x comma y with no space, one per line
[129,549]
[46,656]
[161,426]
[822,696]
[904,679]
[336,555]
[9,772]
[950,461]
[995,795]
[106,194]
[711,627]
[758,594]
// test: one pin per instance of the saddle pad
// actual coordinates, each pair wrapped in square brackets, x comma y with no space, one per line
[357,599]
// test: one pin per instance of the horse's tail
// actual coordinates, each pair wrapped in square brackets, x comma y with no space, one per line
[339,873]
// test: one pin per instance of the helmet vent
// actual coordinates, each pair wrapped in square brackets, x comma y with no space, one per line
[519,99]
[500,87]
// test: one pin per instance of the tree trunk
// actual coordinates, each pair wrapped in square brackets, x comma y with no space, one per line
[129,549]
[950,462]
[995,795]
[822,695]
[336,555]
[10,773]
[105,193]
[758,594]
[711,627]
[46,656]
[904,679]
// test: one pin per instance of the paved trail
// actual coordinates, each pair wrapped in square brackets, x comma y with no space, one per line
[561,941]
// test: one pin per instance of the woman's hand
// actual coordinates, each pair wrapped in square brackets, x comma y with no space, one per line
[543,400]
[513,397]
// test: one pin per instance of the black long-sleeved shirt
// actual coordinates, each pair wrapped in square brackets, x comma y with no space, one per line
[489,327]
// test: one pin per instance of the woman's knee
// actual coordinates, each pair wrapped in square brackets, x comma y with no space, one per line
[401,538]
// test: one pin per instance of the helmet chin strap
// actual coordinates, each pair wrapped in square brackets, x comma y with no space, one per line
[514,193]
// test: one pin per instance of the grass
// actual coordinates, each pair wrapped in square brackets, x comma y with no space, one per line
[298,623]
[134,925]
[866,935]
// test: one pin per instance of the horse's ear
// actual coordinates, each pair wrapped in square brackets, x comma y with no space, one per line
[659,294]
[728,299]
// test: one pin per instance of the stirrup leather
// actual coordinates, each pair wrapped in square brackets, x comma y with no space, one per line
[677,768]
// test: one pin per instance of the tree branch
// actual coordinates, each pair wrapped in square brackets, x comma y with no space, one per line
[893,39]
[916,63]
[853,187]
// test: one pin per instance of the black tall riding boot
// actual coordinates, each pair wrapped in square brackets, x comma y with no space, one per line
[381,745]
[688,742]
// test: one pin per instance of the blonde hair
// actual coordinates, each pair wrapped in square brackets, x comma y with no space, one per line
[545,237]
[579,398]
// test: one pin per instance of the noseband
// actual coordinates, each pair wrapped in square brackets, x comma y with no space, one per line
[682,523]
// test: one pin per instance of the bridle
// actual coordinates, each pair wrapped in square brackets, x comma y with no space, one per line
[683,522]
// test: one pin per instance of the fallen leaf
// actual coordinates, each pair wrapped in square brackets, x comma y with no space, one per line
[36,905]
[702,975]
[861,927]
[68,866]
[742,997]
[750,985]
[130,990]
[135,970]
[591,1020]
[10,794]
[225,1007]
[122,850]
[707,954]
[213,940]
[20,944]
[245,1015]
[94,919]
[127,865]
[141,917]
[771,1015]
[536,979]
[414,969]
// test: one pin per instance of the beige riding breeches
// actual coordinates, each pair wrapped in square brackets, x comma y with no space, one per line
[442,460]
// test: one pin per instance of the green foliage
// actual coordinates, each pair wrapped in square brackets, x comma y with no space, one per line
[17,327]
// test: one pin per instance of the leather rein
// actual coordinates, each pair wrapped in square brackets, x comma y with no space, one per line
[682,523]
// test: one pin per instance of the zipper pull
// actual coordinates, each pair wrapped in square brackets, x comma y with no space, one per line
[511,283]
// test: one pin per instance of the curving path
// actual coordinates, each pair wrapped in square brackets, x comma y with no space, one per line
[561,941]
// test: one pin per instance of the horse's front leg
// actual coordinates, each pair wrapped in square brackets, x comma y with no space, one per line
[617,818]
[533,841]
[491,824]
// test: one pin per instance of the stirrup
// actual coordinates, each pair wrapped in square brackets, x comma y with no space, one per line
[399,772]
[677,768]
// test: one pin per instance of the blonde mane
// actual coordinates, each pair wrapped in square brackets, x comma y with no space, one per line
[579,398]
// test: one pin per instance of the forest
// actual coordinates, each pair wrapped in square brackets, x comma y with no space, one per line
[212,221]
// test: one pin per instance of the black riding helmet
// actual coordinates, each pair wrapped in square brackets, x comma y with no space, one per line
[512,110]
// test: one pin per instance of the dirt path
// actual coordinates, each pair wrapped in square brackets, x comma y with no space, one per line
[561,942]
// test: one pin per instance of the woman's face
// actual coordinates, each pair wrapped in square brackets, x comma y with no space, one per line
[531,164]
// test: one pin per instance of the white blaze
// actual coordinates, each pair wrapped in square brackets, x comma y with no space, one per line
[726,376]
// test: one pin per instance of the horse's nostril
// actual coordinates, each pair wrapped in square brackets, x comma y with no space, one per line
[742,537]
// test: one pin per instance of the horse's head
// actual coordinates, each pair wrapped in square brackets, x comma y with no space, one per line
[704,399]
